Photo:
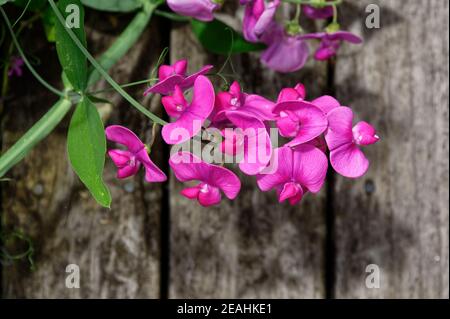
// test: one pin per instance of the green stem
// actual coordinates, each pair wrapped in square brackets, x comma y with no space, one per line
[123,43]
[25,59]
[21,15]
[172,16]
[298,12]
[105,74]
[125,85]
[335,14]
[34,135]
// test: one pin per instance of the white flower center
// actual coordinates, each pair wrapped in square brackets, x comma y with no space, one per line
[204,188]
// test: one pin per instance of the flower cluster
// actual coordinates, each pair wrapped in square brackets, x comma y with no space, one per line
[287,45]
[313,132]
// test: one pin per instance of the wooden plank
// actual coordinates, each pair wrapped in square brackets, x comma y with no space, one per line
[397,215]
[252,247]
[117,250]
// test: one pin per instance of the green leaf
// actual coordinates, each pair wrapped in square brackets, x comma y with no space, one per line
[114,5]
[72,59]
[219,38]
[86,145]
[2,2]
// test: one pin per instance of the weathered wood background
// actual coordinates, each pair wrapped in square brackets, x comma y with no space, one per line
[154,243]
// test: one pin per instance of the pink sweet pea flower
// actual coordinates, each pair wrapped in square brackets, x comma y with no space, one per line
[300,120]
[250,142]
[297,93]
[237,101]
[129,161]
[317,13]
[331,42]
[189,116]
[213,179]
[344,141]
[172,75]
[285,53]
[326,103]
[296,172]
[198,9]
[257,18]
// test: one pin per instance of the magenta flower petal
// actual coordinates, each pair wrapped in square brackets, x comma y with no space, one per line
[120,157]
[209,195]
[312,121]
[129,161]
[188,167]
[284,53]
[236,101]
[349,161]
[296,171]
[326,103]
[283,160]
[175,104]
[291,191]
[259,107]
[203,97]
[324,52]
[344,36]
[253,10]
[257,143]
[178,68]
[165,86]
[189,81]
[339,127]
[310,167]
[190,192]
[317,13]
[175,75]
[287,126]
[127,171]
[199,9]
[343,140]
[330,42]
[297,93]
[192,116]
[258,16]
[266,18]
[183,129]
[364,134]
[124,136]
[152,173]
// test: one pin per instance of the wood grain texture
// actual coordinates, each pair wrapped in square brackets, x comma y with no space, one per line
[397,216]
[252,247]
[117,250]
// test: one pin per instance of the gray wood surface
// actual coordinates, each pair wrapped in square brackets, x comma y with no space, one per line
[397,215]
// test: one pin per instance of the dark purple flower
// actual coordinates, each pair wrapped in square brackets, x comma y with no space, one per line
[316,12]
[258,17]
[15,67]
[285,53]
[331,42]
